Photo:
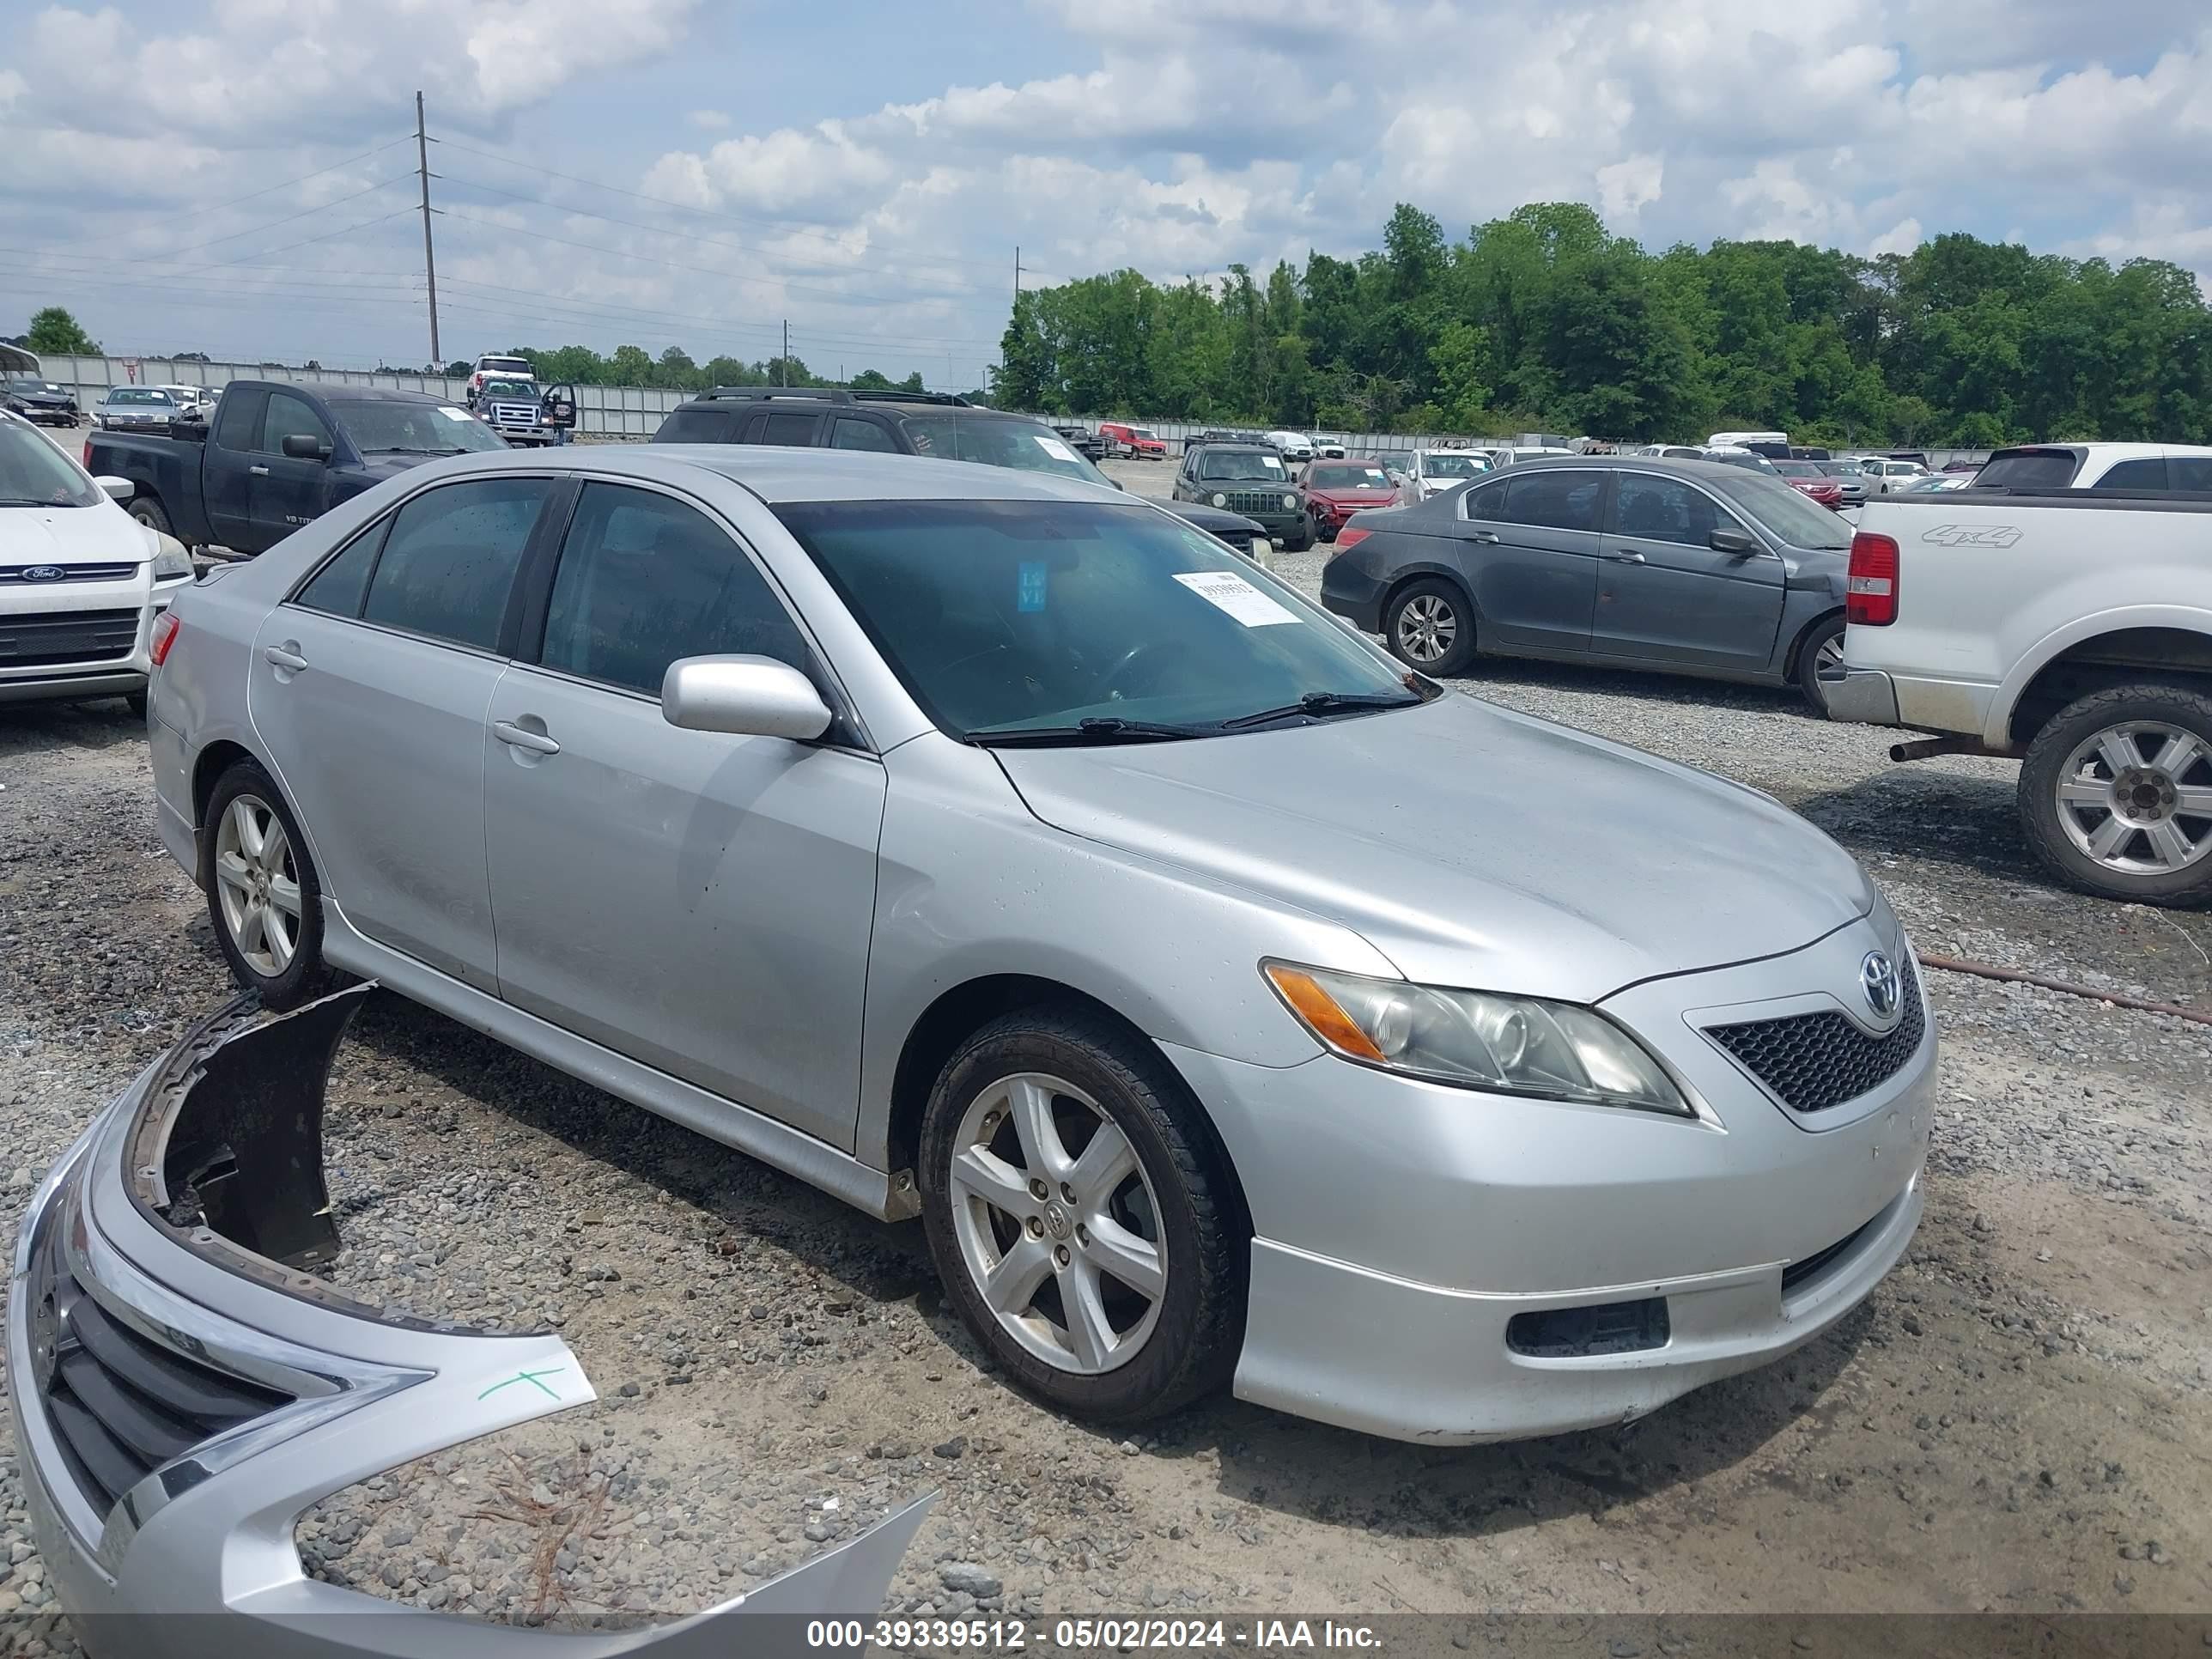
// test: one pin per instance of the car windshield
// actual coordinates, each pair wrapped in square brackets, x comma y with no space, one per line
[1352,475]
[1035,616]
[413,428]
[1794,517]
[1240,466]
[1144,432]
[33,473]
[503,366]
[28,385]
[1451,466]
[1750,463]
[1798,470]
[1024,445]
[139,395]
[510,389]
[1840,469]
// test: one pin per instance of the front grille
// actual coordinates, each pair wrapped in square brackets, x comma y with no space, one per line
[1813,1061]
[12,576]
[513,414]
[1811,1266]
[1252,501]
[63,637]
[121,1405]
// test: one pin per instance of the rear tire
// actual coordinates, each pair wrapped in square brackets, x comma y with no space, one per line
[264,893]
[1160,1206]
[2116,794]
[148,511]
[1826,640]
[1428,625]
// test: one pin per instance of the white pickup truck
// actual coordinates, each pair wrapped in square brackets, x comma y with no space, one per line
[2072,629]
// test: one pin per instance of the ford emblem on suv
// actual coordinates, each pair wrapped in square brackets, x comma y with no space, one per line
[44,572]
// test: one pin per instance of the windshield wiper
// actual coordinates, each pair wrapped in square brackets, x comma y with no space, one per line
[406,449]
[1317,703]
[25,501]
[1095,728]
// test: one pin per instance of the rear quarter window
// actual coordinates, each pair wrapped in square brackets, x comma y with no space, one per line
[2029,468]
[694,424]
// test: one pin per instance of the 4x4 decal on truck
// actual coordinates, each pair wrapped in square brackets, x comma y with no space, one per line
[1973,535]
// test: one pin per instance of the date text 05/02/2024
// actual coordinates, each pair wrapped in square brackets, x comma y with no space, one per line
[1121,1635]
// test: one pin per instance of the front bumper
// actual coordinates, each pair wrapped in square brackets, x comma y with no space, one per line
[110,657]
[1402,1228]
[181,1399]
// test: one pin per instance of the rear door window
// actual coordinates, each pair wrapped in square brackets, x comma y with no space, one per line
[2188,471]
[2146,473]
[449,561]
[787,431]
[1555,501]
[849,433]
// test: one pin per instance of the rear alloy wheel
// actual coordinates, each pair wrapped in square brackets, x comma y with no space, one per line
[1427,627]
[2116,794]
[1071,1198]
[263,894]
[1823,648]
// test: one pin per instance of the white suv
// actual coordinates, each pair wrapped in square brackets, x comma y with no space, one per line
[2097,466]
[81,582]
[1885,477]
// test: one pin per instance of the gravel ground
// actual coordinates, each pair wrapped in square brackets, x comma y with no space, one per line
[2019,1420]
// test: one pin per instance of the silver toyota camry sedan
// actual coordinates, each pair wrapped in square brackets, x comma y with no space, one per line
[1232,1005]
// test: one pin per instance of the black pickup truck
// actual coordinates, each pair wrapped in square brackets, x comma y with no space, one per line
[275,455]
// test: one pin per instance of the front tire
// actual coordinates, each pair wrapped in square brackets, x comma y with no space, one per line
[1299,540]
[1823,647]
[264,893]
[1427,626]
[148,511]
[2116,794]
[1081,1216]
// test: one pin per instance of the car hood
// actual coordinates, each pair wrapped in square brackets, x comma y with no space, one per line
[1354,497]
[1472,846]
[101,534]
[1214,520]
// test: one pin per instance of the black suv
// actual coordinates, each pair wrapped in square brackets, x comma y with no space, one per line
[1247,478]
[931,424]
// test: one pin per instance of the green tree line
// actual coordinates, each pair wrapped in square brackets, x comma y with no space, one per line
[1545,321]
[674,368]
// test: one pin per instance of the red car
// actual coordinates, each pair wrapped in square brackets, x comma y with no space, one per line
[1807,480]
[1335,490]
[1137,440]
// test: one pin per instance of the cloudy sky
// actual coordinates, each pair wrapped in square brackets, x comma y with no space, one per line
[237,176]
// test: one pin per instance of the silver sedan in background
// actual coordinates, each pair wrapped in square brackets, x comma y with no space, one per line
[1232,1005]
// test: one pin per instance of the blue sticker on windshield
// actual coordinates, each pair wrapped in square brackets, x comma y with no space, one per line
[1030,595]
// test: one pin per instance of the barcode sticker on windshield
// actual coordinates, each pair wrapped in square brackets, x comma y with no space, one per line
[1053,447]
[1228,592]
[452,414]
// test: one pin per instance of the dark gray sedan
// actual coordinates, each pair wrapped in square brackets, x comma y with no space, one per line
[1626,561]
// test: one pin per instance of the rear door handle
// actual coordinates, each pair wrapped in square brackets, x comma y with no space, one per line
[259,471]
[1624,556]
[508,733]
[1486,535]
[277,657]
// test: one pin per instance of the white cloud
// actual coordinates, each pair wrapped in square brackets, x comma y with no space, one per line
[1902,237]
[785,169]
[708,120]
[1626,188]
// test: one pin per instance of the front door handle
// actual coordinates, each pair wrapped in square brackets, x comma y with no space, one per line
[1625,556]
[1486,535]
[277,656]
[520,737]
[259,471]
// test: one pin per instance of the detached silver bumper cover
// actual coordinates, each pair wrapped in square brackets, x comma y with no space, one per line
[184,1389]
[1864,695]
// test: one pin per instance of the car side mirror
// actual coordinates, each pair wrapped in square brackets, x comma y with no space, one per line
[303,447]
[1741,543]
[118,490]
[745,697]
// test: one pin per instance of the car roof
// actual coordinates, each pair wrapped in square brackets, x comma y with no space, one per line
[777,474]
[379,394]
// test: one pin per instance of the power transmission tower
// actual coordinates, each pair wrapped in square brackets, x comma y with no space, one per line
[429,259]
[783,363]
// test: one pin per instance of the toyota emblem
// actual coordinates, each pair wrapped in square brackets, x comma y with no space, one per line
[44,572]
[1878,979]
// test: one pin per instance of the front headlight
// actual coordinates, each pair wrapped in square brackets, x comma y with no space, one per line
[1476,1039]
[1290,503]
[171,562]
[1221,499]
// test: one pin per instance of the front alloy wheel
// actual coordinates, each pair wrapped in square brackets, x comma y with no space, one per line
[1080,1213]
[1057,1225]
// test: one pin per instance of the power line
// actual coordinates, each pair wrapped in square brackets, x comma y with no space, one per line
[788,227]
[685,236]
[335,201]
[251,195]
